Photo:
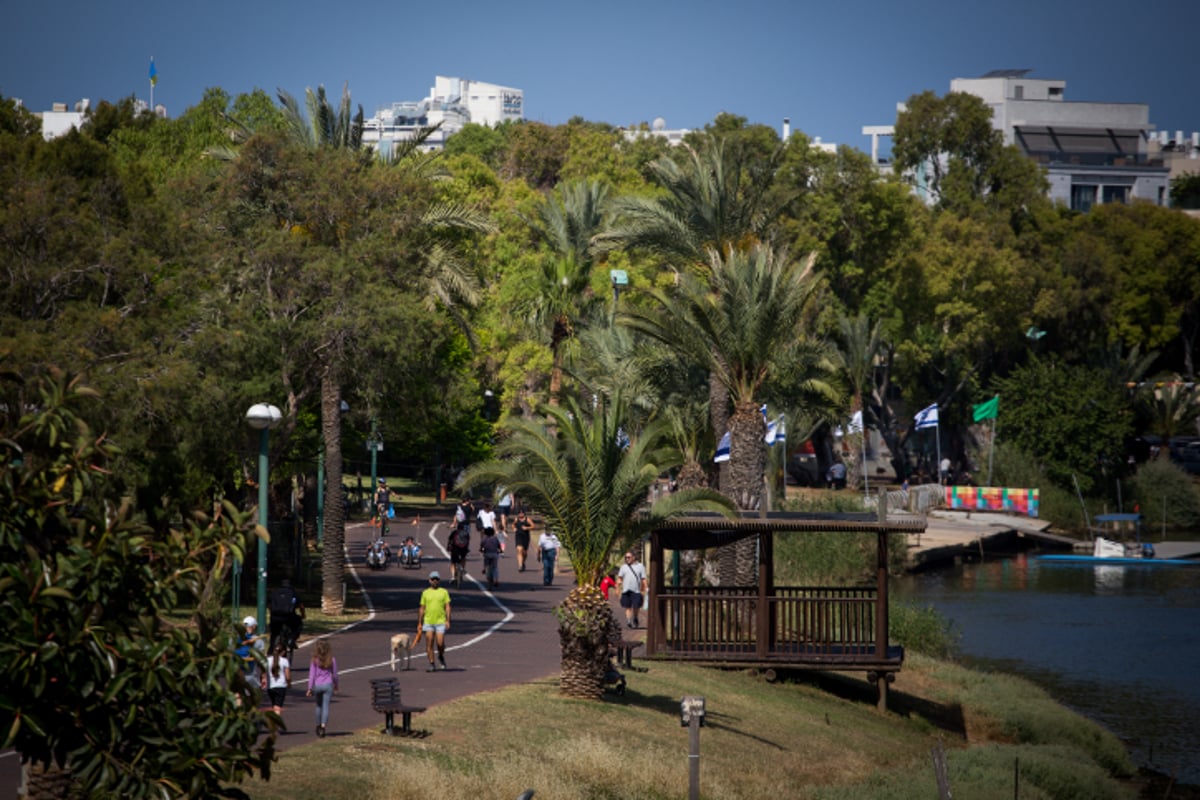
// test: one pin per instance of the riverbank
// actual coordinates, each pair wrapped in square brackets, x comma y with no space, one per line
[802,737]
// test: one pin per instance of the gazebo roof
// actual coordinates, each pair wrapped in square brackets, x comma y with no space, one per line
[703,530]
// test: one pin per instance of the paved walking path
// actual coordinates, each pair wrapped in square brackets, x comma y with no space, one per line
[496,638]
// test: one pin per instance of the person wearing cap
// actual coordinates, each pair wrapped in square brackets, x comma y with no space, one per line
[433,619]
[251,641]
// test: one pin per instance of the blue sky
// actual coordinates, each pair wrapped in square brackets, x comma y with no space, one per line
[830,67]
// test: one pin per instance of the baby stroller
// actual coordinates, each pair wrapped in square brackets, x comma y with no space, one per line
[410,554]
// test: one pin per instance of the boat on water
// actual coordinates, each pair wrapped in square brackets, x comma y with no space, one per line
[1117,548]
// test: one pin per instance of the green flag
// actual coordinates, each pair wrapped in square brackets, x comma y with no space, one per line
[988,410]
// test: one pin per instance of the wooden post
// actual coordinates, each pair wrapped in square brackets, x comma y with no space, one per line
[764,631]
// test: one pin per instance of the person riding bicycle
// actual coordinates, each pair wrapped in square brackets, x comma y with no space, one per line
[410,551]
[382,500]
[460,543]
[287,613]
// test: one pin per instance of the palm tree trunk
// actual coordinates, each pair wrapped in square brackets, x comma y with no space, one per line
[747,465]
[586,631]
[45,782]
[333,561]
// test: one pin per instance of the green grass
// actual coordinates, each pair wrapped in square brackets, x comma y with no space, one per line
[790,738]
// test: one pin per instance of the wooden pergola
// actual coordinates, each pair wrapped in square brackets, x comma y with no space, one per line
[839,628]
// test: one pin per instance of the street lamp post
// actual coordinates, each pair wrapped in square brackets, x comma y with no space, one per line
[262,417]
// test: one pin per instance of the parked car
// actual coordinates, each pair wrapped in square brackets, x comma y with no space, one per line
[803,467]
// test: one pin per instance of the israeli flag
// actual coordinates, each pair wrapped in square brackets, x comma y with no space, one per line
[927,417]
[775,431]
[856,424]
[722,449]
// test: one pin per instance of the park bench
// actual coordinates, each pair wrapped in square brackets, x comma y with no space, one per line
[385,698]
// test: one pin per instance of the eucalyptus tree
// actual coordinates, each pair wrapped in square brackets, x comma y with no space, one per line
[587,472]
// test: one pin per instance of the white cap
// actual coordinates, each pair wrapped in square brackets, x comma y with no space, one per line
[250,622]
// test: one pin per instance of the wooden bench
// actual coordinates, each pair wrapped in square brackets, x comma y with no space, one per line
[385,698]
[624,650]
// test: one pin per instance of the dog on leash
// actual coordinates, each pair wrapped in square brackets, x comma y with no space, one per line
[402,645]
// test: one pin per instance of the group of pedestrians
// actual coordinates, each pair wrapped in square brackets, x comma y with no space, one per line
[269,669]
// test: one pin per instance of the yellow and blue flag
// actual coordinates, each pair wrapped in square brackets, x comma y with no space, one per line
[153,74]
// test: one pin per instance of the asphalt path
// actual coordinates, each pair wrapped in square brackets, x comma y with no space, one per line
[496,638]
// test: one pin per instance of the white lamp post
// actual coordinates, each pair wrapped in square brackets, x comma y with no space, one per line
[262,417]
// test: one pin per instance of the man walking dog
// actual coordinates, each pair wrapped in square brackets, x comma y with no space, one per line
[433,619]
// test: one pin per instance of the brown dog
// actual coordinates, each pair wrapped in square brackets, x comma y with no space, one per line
[403,644]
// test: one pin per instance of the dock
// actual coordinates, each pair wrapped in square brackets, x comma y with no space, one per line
[951,536]
[954,535]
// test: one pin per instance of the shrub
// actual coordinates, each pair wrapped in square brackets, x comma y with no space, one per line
[1159,485]
[923,630]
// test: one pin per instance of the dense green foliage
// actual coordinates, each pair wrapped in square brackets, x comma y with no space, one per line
[247,252]
[95,679]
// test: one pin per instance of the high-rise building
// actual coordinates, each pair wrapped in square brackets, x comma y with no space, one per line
[452,102]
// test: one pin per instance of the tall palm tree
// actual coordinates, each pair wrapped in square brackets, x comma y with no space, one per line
[742,324]
[718,199]
[324,126]
[561,296]
[590,484]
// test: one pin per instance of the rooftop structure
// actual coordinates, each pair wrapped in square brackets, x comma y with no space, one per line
[452,102]
[1090,152]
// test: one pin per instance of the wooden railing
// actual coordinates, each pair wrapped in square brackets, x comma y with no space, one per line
[716,621]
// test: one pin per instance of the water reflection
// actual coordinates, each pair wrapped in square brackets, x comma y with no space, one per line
[1117,643]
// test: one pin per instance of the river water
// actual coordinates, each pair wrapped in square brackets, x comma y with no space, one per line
[1119,644]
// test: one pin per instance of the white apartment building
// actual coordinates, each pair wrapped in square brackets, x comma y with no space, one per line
[453,102]
[1090,152]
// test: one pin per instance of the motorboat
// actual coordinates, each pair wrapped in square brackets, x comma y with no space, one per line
[1108,549]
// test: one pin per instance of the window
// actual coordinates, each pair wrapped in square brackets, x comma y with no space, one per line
[1115,194]
[1019,92]
[1083,198]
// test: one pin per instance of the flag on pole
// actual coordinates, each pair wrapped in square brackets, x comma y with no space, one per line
[988,410]
[775,431]
[927,417]
[153,73]
[856,424]
[722,449]
[763,409]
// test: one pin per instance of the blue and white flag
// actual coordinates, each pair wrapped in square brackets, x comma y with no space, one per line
[856,424]
[775,431]
[722,449]
[927,417]
[764,411]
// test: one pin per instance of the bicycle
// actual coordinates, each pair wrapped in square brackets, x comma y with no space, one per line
[381,511]
[459,569]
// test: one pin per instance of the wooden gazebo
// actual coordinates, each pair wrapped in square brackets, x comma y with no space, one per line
[768,626]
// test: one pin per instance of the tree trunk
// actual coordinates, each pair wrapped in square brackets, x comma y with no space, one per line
[333,560]
[45,782]
[586,630]
[747,465]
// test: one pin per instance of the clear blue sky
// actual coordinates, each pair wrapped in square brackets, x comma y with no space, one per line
[830,67]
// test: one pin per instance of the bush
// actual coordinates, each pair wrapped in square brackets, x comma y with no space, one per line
[1161,484]
[923,630]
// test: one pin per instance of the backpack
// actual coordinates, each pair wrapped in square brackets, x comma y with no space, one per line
[461,538]
[282,600]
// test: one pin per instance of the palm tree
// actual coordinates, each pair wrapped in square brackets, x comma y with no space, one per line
[746,322]
[717,200]
[561,296]
[324,126]
[590,484]
[861,342]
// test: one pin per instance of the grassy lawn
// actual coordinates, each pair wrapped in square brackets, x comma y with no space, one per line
[793,738]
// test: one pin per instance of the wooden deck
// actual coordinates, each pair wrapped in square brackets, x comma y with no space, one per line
[803,627]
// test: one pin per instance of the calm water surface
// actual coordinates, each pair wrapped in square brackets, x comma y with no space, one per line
[1119,644]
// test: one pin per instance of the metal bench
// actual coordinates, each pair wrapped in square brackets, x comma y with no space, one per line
[385,698]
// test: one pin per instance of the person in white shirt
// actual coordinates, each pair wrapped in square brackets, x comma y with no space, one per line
[548,545]
[632,576]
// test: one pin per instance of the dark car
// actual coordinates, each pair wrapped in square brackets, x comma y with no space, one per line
[802,466]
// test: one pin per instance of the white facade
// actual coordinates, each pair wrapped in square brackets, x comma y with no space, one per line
[1091,152]
[657,130]
[452,102]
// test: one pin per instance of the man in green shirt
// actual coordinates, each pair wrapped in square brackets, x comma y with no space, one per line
[433,619]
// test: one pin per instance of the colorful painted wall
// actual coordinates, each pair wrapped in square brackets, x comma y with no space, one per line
[993,498]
